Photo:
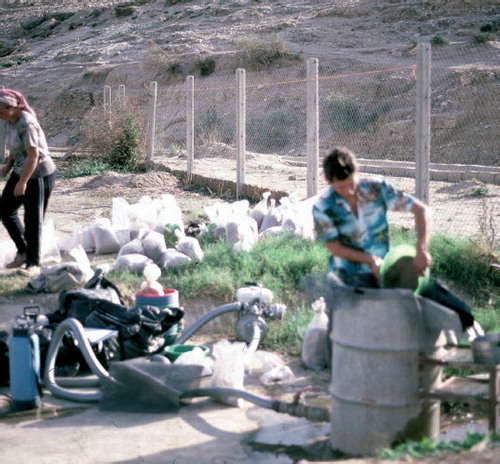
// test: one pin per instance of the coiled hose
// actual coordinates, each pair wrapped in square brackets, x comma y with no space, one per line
[56,385]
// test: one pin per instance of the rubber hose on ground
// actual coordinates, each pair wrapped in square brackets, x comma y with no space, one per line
[228,308]
[83,344]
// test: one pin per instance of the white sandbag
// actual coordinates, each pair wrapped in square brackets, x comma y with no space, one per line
[105,238]
[123,236]
[315,348]
[243,234]
[85,238]
[143,213]
[154,245]
[120,219]
[272,218]
[132,262]
[78,255]
[133,247]
[272,232]
[7,253]
[49,251]
[169,213]
[229,369]
[219,213]
[261,209]
[65,244]
[279,375]
[173,258]
[190,246]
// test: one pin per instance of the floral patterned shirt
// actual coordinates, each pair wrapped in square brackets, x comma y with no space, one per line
[369,230]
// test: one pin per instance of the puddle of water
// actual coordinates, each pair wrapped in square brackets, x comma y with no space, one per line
[44,412]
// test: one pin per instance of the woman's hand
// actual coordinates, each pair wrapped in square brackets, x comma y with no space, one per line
[375,263]
[20,189]
[422,261]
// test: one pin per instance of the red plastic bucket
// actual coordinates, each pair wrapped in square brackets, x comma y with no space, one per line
[170,299]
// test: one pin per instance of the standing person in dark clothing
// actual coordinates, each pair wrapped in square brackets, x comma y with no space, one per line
[30,183]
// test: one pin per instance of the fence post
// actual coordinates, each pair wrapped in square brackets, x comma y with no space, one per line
[312,127]
[240,132]
[150,146]
[121,96]
[107,101]
[423,122]
[190,125]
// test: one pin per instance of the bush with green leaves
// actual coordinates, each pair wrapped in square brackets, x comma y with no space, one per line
[256,52]
[483,37]
[116,138]
[440,40]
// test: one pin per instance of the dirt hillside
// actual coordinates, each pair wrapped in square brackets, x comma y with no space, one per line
[62,54]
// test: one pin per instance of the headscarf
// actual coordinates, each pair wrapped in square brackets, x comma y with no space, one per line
[16,99]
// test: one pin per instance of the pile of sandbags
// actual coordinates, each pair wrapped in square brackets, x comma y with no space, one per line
[243,226]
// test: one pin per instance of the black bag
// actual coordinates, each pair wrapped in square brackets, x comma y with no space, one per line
[79,303]
[141,329]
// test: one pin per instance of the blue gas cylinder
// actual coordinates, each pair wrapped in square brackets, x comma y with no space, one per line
[24,365]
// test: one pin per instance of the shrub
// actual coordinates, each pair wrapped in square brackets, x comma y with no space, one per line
[206,66]
[208,129]
[440,40]
[126,153]
[346,115]
[117,137]
[483,37]
[161,63]
[256,53]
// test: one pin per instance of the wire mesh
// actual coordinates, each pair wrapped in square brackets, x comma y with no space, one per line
[368,106]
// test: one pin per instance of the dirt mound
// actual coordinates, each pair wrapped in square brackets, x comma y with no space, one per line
[143,180]
[462,187]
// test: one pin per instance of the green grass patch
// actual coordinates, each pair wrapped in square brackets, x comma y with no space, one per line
[86,167]
[418,450]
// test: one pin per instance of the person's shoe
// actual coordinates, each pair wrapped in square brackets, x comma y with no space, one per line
[29,271]
[18,261]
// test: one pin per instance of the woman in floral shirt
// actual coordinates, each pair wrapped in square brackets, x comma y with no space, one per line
[351,219]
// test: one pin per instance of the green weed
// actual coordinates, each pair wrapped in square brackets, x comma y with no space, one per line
[427,447]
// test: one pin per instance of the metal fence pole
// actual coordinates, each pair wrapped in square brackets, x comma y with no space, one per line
[150,147]
[240,132]
[190,125]
[312,127]
[423,122]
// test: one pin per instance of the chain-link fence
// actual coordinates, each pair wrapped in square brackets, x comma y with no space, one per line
[367,106]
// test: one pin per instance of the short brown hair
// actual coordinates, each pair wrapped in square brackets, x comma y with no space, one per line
[339,164]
